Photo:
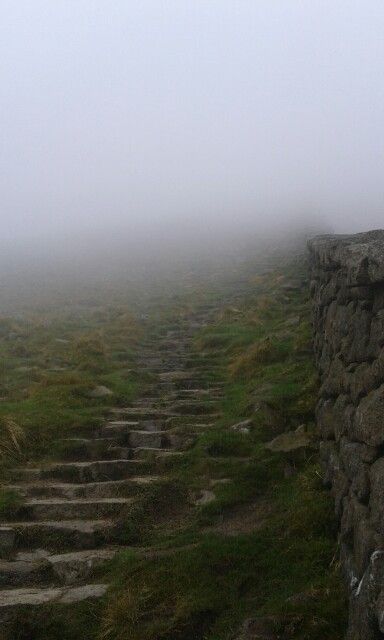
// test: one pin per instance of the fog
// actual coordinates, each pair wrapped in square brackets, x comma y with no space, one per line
[144,127]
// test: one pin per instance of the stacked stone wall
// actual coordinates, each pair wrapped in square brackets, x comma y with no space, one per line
[347,289]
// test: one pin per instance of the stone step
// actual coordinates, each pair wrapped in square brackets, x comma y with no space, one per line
[67,534]
[107,489]
[119,429]
[75,567]
[193,407]
[199,394]
[79,472]
[163,454]
[147,453]
[141,413]
[177,376]
[184,420]
[62,509]
[149,439]
[12,599]
[17,573]
[81,449]
[43,567]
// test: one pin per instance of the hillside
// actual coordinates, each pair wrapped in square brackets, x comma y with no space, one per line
[160,474]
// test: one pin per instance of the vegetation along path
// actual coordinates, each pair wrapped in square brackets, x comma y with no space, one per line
[197,511]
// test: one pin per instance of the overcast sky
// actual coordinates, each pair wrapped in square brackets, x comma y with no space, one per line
[132,116]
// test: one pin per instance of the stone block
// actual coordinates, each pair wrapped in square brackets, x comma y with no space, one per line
[368,422]
[376,500]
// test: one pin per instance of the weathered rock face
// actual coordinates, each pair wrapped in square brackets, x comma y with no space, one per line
[347,288]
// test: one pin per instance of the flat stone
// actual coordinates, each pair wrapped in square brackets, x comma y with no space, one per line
[77,566]
[242,427]
[100,392]
[75,534]
[290,441]
[35,597]
[148,439]
[92,471]
[58,508]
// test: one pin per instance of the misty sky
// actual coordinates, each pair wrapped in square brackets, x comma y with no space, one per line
[134,116]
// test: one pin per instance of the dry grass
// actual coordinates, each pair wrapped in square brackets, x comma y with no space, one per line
[12,438]
[261,353]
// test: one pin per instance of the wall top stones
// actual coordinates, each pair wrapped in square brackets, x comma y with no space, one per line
[360,256]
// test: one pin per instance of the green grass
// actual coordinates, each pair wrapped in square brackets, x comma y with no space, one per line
[280,564]
[283,569]
[50,364]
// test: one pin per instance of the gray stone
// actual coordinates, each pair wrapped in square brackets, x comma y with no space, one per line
[368,423]
[354,458]
[330,461]
[376,501]
[77,566]
[365,542]
[353,513]
[333,417]
[242,427]
[148,439]
[290,441]
[35,597]
[100,392]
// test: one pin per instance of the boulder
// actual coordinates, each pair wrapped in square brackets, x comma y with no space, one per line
[290,441]
[242,427]
[100,392]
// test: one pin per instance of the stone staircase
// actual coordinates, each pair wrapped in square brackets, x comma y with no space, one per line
[66,527]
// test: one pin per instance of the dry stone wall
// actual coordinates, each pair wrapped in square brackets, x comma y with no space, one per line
[347,288]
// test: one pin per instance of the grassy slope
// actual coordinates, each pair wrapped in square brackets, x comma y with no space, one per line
[49,365]
[278,563]
[265,547]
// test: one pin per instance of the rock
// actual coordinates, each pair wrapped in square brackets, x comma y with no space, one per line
[376,501]
[293,321]
[333,417]
[361,254]
[330,461]
[367,424]
[355,458]
[100,392]
[242,427]
[206,496]
[76,566]
[290,441]
[366,540]
[366,601]
[35,597]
